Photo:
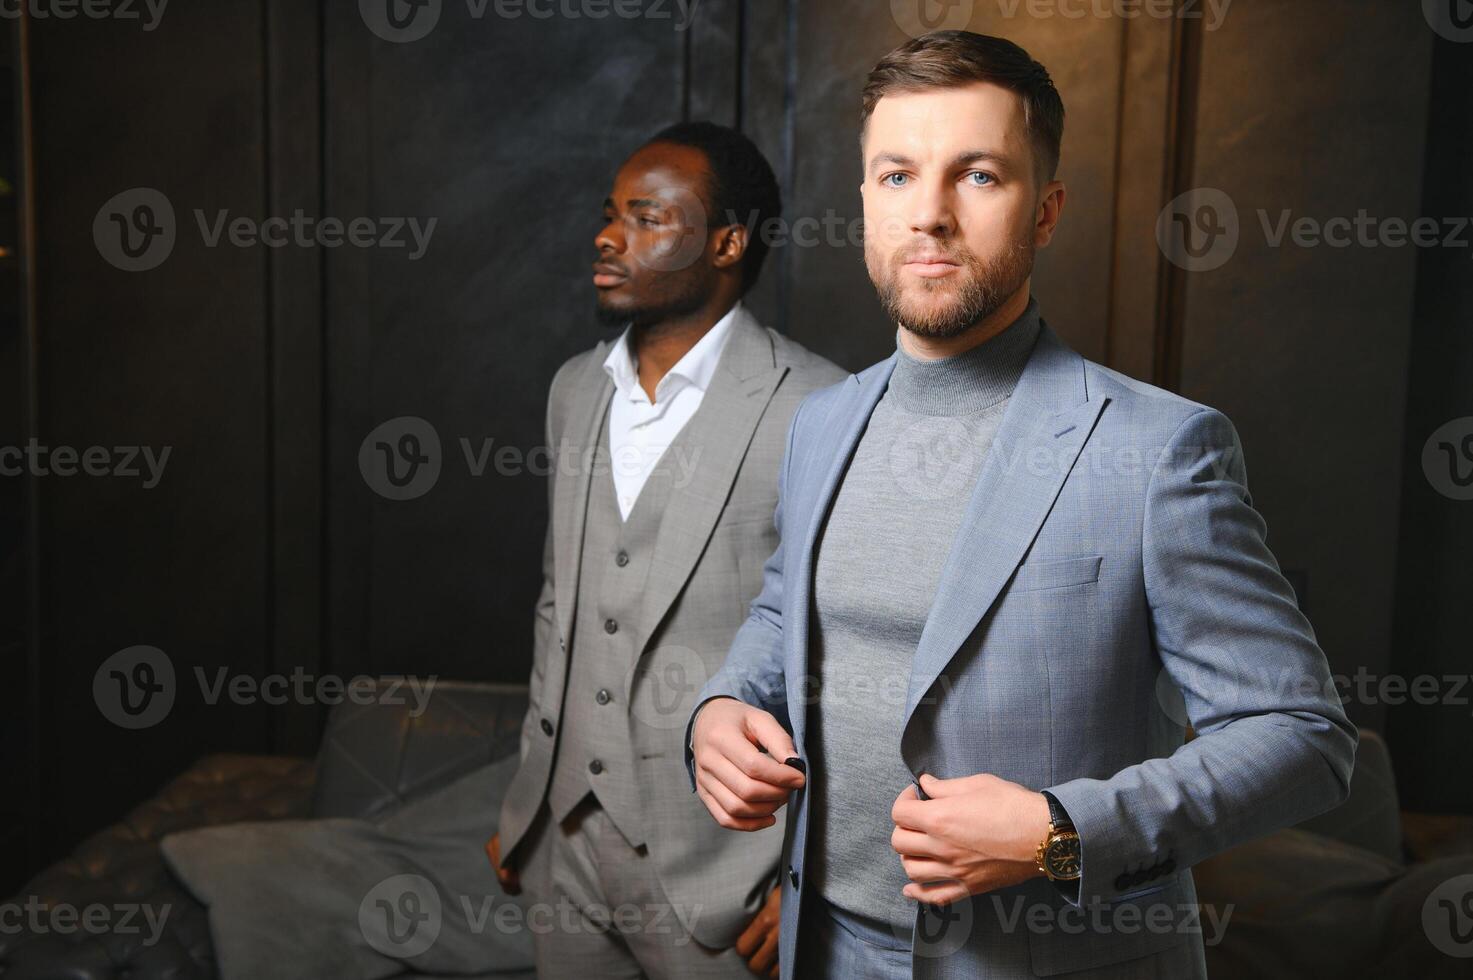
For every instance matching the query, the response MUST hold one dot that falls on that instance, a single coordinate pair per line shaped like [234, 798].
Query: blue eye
[885, 180]
[978, 173]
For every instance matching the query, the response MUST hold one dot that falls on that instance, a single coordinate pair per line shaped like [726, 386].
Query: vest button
[611, 626]
[621, 559]
[792, 876]
[546, 727]
[602, 697]
[595, 767]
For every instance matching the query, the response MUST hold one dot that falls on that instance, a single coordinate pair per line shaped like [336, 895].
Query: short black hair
[743, 188]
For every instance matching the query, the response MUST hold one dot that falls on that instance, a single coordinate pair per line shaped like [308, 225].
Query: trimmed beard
[986, 286]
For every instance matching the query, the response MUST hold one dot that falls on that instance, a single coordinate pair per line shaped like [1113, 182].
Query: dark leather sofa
[373, 758]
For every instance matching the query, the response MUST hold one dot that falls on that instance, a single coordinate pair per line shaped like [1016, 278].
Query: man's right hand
[741, 786]
[511, 882]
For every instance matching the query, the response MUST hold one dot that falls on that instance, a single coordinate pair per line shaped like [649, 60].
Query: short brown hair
[946, 59]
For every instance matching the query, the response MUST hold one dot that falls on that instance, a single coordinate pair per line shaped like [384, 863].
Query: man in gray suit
[667, 444]
[1008, 578]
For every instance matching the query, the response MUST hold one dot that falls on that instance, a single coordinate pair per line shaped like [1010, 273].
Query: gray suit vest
[595, 752]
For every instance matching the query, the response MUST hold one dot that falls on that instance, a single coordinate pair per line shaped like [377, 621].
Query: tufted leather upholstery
[121, 864]
[373, 758]
[376, 757]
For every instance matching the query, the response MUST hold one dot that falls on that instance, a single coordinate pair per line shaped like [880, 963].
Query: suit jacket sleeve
[1273, 744]
[544, 624]
[753, 672]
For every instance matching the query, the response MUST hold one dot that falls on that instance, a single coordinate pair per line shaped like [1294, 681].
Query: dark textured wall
[1305, 347]
[1434, 573]
[509, 133]
[175, 357]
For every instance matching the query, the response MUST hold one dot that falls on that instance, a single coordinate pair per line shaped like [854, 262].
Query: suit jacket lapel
[716, 440]
[570, 492]
[1048, 418]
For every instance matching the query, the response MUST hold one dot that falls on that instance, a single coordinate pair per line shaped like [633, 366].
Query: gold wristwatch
[1059, 854]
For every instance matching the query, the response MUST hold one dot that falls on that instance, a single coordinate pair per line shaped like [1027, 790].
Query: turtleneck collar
[970, 382]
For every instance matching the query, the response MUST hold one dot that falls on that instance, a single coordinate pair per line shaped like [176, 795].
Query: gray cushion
[1297, 905]
[335, 897]
[1426, 922]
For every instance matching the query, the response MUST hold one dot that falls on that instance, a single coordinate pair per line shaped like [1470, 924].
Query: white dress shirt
[641, 431]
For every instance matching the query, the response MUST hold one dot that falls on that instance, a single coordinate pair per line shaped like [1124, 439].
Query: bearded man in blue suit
[1007, 578]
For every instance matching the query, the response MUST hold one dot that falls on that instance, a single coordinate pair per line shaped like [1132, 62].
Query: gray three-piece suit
[633, 618]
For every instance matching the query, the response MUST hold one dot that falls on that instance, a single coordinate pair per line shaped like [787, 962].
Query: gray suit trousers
[597, 908]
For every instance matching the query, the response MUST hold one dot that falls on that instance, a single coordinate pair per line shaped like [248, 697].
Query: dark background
[263, 549]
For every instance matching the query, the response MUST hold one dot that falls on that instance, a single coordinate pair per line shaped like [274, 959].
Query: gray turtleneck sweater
[880, 556]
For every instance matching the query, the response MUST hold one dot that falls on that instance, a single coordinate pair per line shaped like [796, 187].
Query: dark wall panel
[1305, 348]
[171, 358]
[1435, 576]
[507, 132]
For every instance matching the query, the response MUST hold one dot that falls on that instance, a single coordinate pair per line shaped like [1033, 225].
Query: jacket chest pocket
[1057, 573]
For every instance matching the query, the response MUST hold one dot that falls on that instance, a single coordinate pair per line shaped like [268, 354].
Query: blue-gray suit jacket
[1110, 584]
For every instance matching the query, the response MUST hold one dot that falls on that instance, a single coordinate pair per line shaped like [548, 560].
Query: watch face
[1062, 857]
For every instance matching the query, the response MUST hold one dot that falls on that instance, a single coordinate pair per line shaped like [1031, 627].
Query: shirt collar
[696, 368]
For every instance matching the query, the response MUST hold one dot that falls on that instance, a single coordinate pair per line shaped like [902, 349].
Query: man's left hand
[975, 834]
[758, 943]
